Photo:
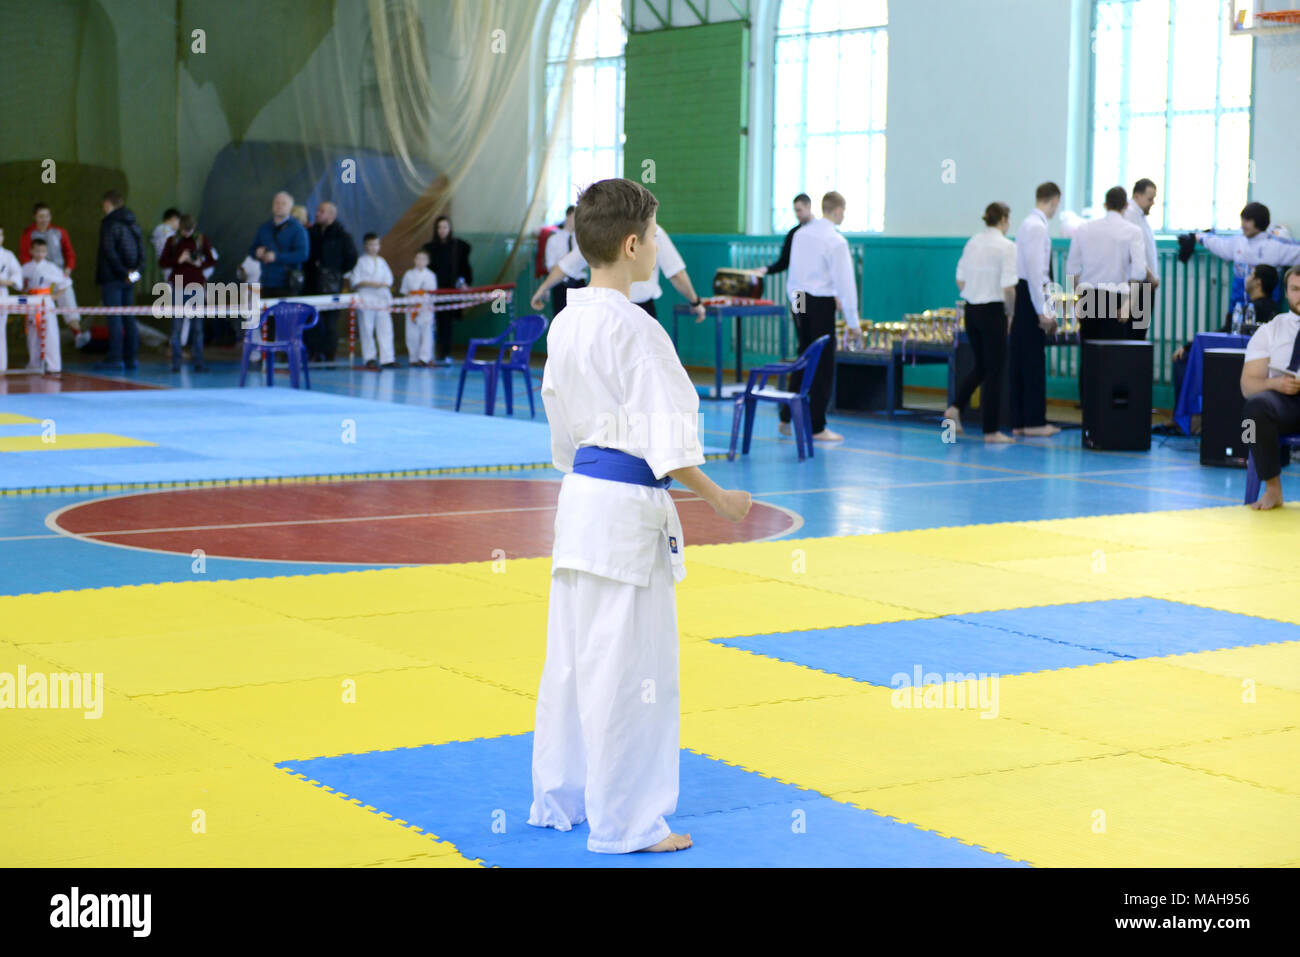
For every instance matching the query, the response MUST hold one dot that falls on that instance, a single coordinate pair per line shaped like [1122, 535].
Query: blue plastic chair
[291, 319]
[513, 350]
[1252, 477]
[756, 390]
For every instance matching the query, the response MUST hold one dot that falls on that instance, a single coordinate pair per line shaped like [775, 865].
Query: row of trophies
[939, 327]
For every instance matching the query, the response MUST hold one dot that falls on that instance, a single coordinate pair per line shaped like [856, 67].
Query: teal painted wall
[685, 109]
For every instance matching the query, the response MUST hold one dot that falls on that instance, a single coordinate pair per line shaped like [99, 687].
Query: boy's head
[186, 225]
[39, 251]
[1261, 282]
[1254, 219]
[371, 242]
[41, 216]
[1047, 198]
[568, 218]
[171, 216]
[615, 225]
[422, 260]
[1116, 199]
[112, 200]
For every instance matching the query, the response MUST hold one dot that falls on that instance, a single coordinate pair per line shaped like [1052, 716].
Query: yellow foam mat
[1277, 665]
[212, 655]
[1269, 760]
[858, 741]
[255, 815]
[209, 683]
[13, 418]
[1154, 814]
[1146, 703]
[392, 709]
[62, 441]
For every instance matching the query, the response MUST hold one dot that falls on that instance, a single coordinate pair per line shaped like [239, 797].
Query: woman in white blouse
[986, 278]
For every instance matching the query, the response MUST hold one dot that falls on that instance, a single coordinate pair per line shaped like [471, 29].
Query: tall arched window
[1171, 94]
[589, 131]
[832, 59]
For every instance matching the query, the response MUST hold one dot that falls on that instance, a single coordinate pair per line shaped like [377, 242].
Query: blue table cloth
[1189, 398]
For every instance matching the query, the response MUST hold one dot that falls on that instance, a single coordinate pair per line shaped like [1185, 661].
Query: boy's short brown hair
[832, 201]
[608, 212]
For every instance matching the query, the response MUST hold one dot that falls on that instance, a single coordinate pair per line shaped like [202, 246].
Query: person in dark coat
[449, 260]
[121, 256]
[333, 254]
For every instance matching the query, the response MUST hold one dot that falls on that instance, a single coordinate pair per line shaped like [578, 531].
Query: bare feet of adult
[673, 842]
[1272, 496]
[1037, 430]
[997, 438]
[953, 413]
[784, 428]
[826, 435]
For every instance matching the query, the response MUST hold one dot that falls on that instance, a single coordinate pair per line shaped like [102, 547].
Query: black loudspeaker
[1117, 394]
[1221, 407]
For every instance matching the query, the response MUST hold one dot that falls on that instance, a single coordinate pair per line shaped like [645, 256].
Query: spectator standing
[333, 254]
[187, 255]
[117, 269]
[449, 260]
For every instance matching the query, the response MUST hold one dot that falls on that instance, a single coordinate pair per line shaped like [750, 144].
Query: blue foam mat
[1016, 641]
[466, 792]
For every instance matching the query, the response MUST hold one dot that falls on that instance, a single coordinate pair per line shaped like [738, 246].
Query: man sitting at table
[1270, 381]
[1260, 286]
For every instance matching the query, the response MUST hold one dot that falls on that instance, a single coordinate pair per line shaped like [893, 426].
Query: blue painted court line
[1018, 641]
[476, 794]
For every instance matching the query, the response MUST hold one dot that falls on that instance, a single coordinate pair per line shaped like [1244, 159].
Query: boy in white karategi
[419, 326]
[623, 416]
[40, 273]
[11, 280]
[372, 281]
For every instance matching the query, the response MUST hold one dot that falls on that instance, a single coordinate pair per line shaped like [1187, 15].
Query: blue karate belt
[616, 466]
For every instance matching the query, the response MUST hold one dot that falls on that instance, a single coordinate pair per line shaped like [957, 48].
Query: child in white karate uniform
[40, 273]
[623, 416]
[372, 281]
[11, 280]
[419, 328]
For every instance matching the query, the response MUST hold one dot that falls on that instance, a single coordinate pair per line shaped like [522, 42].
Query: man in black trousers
[333, 254]
[1034, 317]
[821, 271]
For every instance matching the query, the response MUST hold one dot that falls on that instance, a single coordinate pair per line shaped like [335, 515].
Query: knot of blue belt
[616, 466]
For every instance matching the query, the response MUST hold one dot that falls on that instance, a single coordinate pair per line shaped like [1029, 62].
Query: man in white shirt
[643, 293]
[821, 272]
[1270, 381]
[372, 281]
[624, 424]
[1034, 317]
[986, 279]
[558, 245]
[1137, 212]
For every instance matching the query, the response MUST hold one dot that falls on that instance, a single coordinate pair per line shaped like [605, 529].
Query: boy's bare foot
[826, 435]
[784, 428]
[673, 842]
[953, 413]
[1017, 431]
[1271, 498]
[1041, 430]
[997, 438]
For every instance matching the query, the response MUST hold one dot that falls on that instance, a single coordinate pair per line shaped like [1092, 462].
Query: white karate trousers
[53, 355]
[606, 746]
[419, 336]
[376, 323]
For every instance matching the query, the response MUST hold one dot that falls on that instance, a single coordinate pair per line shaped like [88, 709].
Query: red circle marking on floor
[405, 521]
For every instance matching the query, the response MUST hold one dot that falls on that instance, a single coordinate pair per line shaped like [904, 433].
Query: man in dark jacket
[281, 246]
[802, 213]
[333, 254]
[121, 255]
